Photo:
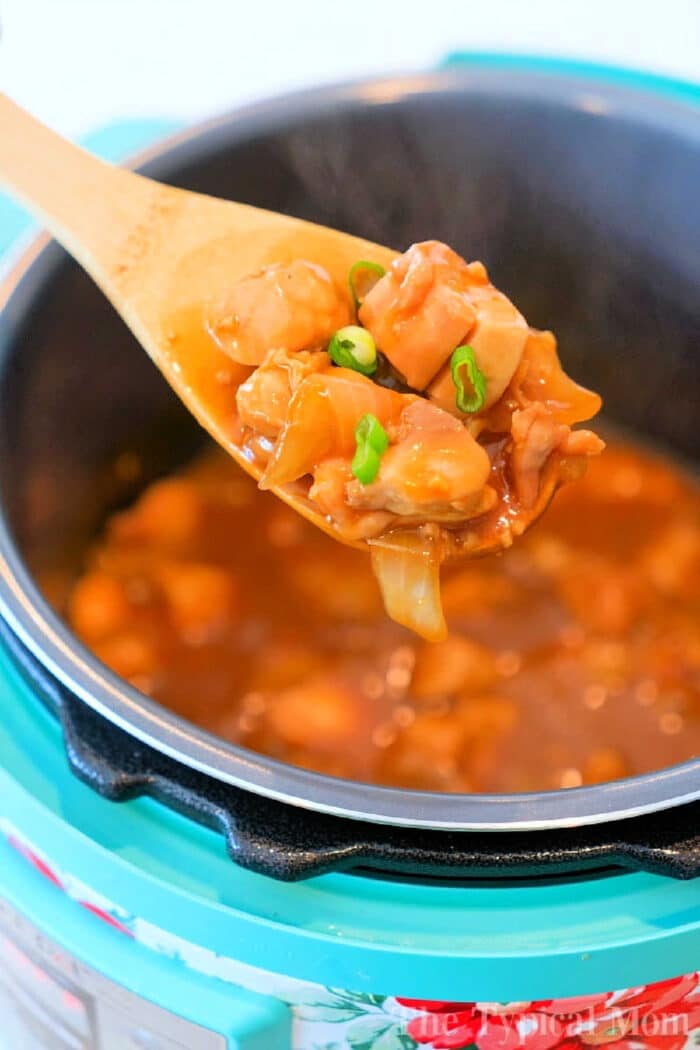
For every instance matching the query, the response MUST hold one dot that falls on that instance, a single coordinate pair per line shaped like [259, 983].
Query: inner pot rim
[50, 640]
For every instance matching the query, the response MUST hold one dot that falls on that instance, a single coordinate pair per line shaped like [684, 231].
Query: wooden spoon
[161, 255]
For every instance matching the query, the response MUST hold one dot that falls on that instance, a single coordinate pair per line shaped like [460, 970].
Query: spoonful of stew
[400, 402]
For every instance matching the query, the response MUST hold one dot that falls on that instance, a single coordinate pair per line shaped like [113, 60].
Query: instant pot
[161, 888]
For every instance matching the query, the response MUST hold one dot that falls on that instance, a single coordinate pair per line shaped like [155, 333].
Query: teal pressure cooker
[162, 888]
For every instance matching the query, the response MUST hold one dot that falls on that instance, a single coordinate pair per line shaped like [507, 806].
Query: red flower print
[653, 1017]
[35, 860]
[100, 913]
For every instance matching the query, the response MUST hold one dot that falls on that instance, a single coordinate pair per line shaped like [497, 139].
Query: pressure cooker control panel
[50, 1001]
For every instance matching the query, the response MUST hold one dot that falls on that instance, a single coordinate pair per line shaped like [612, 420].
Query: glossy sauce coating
[573, 658]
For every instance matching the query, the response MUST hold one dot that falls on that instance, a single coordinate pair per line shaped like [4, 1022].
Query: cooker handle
[290, 843]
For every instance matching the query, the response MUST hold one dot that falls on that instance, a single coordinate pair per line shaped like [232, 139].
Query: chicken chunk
[295, 307]
[435, 470]
[329, 493]
[430, 302]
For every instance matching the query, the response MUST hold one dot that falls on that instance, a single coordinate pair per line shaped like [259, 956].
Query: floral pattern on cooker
[664, 1015]
[658, 1016]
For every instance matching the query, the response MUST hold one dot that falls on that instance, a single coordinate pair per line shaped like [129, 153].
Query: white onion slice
[407, 566]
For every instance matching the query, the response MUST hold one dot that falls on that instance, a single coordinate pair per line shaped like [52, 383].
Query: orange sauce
[573, 658]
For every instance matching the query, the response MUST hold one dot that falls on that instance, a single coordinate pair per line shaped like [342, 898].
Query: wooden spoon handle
[87, 204]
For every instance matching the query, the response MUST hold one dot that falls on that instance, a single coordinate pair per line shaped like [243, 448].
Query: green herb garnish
[372, 443]
[362, 266]
[353, 347]
[469, 380]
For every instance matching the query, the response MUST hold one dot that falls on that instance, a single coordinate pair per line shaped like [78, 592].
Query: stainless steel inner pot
[581, 197]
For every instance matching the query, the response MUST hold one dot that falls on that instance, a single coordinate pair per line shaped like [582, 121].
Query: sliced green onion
[372, 443]
[353, 347]
[469, 380]
[362, 266]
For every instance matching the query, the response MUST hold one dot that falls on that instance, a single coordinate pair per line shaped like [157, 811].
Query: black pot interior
[588, 220]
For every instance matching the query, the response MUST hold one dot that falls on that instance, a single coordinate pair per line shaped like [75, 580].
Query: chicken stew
[572, 658]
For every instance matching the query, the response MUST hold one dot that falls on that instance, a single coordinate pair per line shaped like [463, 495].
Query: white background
[80, 63]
